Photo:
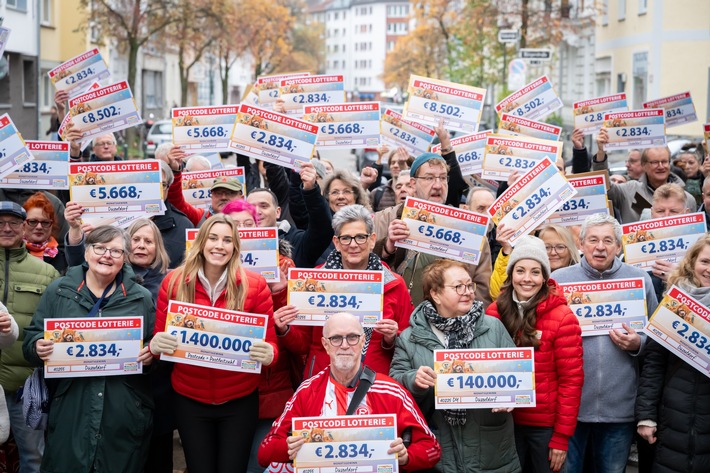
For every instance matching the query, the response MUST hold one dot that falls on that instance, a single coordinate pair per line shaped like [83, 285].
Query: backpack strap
[367, 377]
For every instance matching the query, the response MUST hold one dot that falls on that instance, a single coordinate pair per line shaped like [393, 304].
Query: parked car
[161, 132]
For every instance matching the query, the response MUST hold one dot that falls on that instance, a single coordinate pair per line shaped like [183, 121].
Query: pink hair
[240, 205]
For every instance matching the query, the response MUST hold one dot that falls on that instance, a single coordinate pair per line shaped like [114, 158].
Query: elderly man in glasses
[23, 280]
[330, 392]
[103, 146]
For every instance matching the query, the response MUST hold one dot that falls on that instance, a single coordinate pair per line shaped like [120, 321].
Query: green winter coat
[23, 280]
[486, 443]
[103, 423]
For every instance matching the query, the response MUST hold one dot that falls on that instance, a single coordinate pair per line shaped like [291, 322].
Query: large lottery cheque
[104, 110]
[667, 238]
[13, 151]
[273, 137]
[258, 250]
[214, 338]
[48, 170]
[346, 125]
[591, 199]
[445, 231]
[196, 185]
[589, 114]
[198, 129]
[682, 325]
[266, 90]
[108, 188]
[320, 293]
[518, 126]
[94, 346]
[469, 151]
[636, 129]
[531, 199]
[505, 154]
[679, 108]
[78, 73]
[396, 131]
[430, 100]
[601, 306]
[346, 443]
[298, 92]
[484, 378]
[533, 101]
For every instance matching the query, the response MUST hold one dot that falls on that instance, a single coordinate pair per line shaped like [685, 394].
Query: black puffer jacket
[677, 397]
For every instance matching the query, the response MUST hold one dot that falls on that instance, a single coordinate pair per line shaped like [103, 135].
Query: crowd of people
[596, 395]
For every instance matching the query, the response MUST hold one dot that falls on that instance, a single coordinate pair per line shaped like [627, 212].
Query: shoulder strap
[366, 379]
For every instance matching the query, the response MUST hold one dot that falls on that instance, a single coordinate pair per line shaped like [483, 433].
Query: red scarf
[40, 250]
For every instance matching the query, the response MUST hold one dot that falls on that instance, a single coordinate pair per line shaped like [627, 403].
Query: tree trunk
[524, 16]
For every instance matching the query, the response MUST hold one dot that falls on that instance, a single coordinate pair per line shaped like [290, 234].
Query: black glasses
[14, 224]
[360, 239]
[462, 288]
[101, 250]
[337, 340]
[33, 222]
[431, 179]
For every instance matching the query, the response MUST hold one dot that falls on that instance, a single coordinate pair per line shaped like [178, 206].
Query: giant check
[601, 306]
[430, 100]
[93, 346]
[591, 199]
[534, 101]
[198, 129]
[78, 73]
[505, 154]
[196, 185]
[320, 293]
[589, 114]
[266, 91]
[396, 131]
[214, 338]
[679, 109]
[636, 129]
[445, 231]
[273, 137]
[13, 151]
[484, 378]
[667, 238]
[298, 92]
[469, 151]
[518, 126]
[105, 189]
[346, 125]
[346, 443]
[48, 170]
[105, 110]
[682, 325]
[531, 199]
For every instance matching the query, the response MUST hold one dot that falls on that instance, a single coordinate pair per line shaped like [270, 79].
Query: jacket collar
[15, 254]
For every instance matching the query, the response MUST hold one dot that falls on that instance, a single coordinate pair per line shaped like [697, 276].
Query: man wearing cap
[431, 175]
[23, 280]
[224, 190]
[605, 423]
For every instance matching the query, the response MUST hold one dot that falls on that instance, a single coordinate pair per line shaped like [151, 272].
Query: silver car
[161, 132]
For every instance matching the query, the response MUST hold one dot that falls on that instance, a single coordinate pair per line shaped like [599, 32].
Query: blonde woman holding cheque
[217, 411]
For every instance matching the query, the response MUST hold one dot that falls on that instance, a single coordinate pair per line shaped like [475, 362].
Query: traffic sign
[508, 36]
[516, 74]
[539, 54]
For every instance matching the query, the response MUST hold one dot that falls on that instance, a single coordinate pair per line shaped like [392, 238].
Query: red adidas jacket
[559, 373]
[213, 386]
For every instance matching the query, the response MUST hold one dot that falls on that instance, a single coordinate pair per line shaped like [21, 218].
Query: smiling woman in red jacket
[216, 410]
[537, 315]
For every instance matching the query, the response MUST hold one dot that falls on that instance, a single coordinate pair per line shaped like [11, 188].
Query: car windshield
[162, 129]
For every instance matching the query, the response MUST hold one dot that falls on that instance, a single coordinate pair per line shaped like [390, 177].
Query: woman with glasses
[354, 240]
[38, 230]
[98, 423]
[341, 189]
[559, 244]
[536, 314]
[216, 410]
[472, 440]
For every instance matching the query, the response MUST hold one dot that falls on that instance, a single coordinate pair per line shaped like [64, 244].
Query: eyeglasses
[431, 179]
[359, 239]
[14, 224]
[100, 250]
[245, 224]
[559, 249]
[605, 241]
[44, 223]
[344, 192]
[462, 288]
[657, 164]
[105, 143]
[337, 340]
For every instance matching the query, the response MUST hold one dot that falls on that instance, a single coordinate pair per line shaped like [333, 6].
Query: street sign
[508, 36]
[539, 54]
[534, 62]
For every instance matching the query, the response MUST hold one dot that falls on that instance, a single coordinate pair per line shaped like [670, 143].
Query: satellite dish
[4, 67]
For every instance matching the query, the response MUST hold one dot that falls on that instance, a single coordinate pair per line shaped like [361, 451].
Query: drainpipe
[38, 70]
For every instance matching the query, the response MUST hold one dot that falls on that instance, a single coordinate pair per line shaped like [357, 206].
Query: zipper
[7, 275]
[310, 370]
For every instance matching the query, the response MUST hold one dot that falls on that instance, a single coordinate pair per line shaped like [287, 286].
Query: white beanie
[530, 247]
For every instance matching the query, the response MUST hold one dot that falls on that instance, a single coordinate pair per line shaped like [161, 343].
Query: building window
[46, 89]
[336, 15]
[335, 48]
[390, 45]
[17, 4]
[5, 82]
[643, 7]
[343, 47]
[640, 81]
[153, 89]
[29, 83]
[46, 12]
[622, 10]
